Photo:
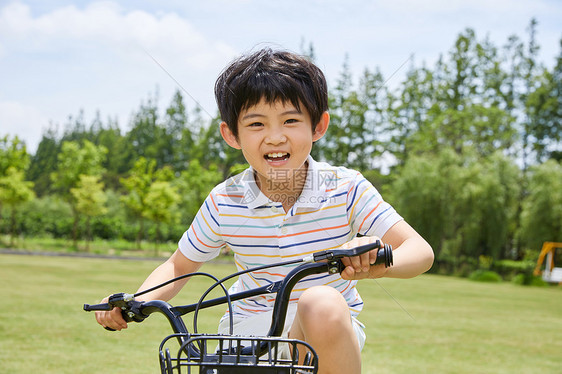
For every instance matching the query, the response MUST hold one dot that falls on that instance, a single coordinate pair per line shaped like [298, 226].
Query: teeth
[277, 155]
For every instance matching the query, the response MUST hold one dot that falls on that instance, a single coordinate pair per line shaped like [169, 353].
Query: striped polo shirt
[335, 204]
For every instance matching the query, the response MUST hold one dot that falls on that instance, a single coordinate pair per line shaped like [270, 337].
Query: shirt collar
[316, 188]
[313, 195]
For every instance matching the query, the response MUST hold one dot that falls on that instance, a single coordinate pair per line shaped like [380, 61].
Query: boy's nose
[275, 137]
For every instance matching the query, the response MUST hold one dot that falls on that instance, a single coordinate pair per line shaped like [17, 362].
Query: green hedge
[485, 276]
[508, 269]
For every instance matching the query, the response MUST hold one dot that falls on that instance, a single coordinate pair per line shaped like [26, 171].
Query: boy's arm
[175, 266]
[412, 255]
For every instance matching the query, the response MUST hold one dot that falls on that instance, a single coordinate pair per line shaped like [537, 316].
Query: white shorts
[259, 324]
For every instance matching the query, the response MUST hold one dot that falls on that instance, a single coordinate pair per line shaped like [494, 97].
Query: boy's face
[275, 139]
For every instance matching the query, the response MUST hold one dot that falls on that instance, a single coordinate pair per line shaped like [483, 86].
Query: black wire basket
[226, 354]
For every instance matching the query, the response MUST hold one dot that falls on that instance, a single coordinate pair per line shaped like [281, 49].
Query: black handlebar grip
[384, 255]
[126, 318]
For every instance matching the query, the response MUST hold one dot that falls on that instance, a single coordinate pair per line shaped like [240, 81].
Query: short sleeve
[202, 241]
[367, 212]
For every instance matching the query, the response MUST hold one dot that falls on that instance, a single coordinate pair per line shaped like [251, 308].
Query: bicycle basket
[223, 354]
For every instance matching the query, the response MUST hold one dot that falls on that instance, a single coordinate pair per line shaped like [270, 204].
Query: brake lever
[130, 308]
[384, 255]
[351, 252]
[356, 251]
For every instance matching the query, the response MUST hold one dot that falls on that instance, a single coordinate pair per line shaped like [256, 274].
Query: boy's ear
[321, 127]
[228, 136]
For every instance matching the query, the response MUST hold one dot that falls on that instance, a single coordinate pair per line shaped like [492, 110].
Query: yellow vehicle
[551, 273]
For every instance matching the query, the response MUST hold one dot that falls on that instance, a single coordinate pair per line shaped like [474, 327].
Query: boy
[274, 106]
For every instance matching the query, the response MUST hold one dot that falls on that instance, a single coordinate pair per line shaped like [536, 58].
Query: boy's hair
[271, 75]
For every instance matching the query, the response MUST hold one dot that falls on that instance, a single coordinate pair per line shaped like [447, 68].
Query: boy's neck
[285, 187]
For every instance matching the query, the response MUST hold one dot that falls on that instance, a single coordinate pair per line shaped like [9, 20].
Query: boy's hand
[112, 319]
[359, 267]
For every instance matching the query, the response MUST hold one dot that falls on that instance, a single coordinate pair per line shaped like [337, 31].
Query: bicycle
[237, 354]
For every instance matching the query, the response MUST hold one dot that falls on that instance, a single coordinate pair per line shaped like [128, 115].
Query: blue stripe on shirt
[233, 205]
[354, 194]
[315, 241]
[211, 214]
[376, 218]
[194, 246]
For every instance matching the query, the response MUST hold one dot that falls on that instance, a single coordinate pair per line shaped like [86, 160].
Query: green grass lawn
[442, 325]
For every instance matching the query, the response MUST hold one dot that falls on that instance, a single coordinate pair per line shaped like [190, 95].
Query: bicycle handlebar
[319, 262]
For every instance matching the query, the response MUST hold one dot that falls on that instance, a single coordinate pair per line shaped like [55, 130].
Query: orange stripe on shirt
[345, 289]
[321, 209]
[214, 204]
[200, 241]
[371, 212]
[268, 273]
[227, 195]
[250, 310]
[315, 230]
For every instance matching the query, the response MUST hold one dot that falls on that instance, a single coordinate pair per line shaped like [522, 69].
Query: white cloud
[22, 120]
[105, 22]
[94, 57]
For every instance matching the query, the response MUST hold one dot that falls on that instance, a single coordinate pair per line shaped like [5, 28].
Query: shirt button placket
[280, 229]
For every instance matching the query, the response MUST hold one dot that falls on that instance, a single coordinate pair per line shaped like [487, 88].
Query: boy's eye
[292, 120]
[255, 124]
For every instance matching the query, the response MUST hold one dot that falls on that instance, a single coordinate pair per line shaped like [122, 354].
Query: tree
[370, 119]
[138, 185]
[162, 199]
[14, 160]
[75, 160]
[469, 117]
[212, 149]
[541, 216]
[90, 201]
[44, 162]
[75, 129]
[423, 192]
[119, 151]
[194, 185]
[357, 118]
[464, 206]
[146, 135]
[12, 154]
[488, 204]
[530, 72]
[335, 147]
[544, 106]
[409, 113]
[14, 191]
[178, 135]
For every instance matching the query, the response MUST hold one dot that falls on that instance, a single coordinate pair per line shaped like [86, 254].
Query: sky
[60, 57]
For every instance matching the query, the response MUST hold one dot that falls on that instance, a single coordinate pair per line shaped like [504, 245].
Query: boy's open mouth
[278, 156]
